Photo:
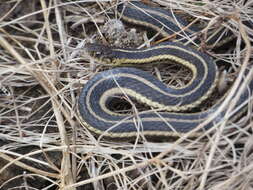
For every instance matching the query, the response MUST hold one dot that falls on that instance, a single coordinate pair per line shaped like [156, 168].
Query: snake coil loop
[98, 92]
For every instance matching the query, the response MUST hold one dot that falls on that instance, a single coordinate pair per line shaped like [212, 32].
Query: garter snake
[98, 92]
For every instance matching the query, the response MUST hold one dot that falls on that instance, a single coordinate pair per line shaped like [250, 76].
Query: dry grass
[43, 68]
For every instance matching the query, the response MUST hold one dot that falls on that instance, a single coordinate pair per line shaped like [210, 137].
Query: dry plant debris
[43, 68]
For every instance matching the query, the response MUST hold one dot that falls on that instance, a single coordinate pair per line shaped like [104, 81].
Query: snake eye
[95, 53]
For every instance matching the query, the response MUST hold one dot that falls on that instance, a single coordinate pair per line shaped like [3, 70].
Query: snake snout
[97, 50]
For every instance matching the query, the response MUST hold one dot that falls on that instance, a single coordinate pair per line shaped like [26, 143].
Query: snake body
[95, 97]
[167, 22]
[163, 21]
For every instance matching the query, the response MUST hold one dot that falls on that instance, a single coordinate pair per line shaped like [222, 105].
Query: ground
[44, 66]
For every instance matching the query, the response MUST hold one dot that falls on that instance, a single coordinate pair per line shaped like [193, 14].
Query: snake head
[100, 52]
